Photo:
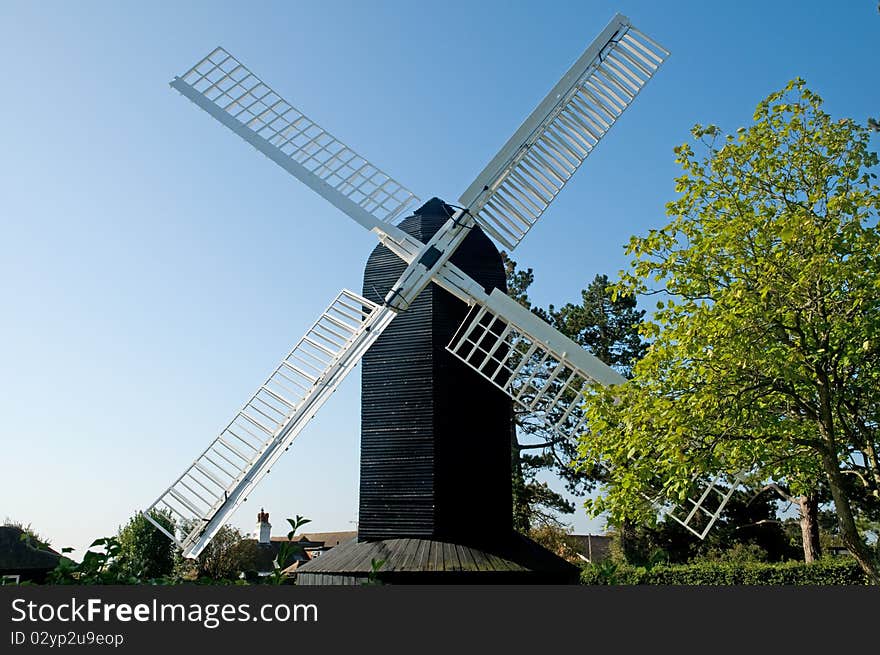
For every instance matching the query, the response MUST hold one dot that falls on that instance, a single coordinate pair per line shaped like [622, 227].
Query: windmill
[540, 369]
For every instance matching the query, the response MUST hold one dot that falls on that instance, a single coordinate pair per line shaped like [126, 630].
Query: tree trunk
[849, 534]
[628, 542]
[521, 522]
[873, 464]
[809, 509]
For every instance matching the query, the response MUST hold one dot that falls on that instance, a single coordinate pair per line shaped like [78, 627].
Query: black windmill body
[445, 351]
[435, 435]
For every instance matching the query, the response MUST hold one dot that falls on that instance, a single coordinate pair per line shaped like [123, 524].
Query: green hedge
[843, 571]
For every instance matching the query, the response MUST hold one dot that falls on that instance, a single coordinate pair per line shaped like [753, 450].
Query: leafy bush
[843, 571]
[97, 566]
[144, 552]
[140, 554]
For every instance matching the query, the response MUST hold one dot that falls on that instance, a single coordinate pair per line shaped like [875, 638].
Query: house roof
[264, 559]
[16, 554]
[320, 539]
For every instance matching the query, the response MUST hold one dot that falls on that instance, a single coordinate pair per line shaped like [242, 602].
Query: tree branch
[775, 487]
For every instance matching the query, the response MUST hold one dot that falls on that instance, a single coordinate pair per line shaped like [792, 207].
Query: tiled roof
[325, 539]
[266, 554]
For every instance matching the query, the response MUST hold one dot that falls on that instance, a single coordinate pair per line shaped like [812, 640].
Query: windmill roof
[517, 554]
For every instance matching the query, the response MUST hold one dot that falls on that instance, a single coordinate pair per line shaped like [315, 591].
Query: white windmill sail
[704, 504]
[231, 93]
[219, 479]
[515, 188]
[546, 374]
[544, 371]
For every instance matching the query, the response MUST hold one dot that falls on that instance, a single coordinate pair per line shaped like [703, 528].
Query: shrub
[843, 571]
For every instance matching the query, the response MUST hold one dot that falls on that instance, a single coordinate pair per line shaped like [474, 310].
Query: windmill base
[518, 560]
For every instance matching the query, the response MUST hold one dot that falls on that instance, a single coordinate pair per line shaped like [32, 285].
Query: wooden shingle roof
[420, 555]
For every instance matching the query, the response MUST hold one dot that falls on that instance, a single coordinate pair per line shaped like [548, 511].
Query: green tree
[144, 552]
[227, 555]
[534, 502]
[556, 539]
[765, 346]
[747, 528]
[608, 328]
[808, 518]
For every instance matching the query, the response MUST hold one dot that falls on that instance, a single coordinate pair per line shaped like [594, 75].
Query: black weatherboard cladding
[435, 436]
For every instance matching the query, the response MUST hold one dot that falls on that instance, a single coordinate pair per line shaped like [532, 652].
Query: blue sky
[153, 268]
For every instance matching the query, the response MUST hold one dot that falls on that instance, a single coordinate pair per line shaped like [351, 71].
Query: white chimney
[264, 528]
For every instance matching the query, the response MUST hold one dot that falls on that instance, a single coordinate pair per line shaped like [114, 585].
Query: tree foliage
[227, 555]
[765, 345]
[746, 530]
[608, 328]
[557, 540]
[144, 552]
[97, 566]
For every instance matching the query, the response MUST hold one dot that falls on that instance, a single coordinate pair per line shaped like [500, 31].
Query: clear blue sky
[154, 268]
